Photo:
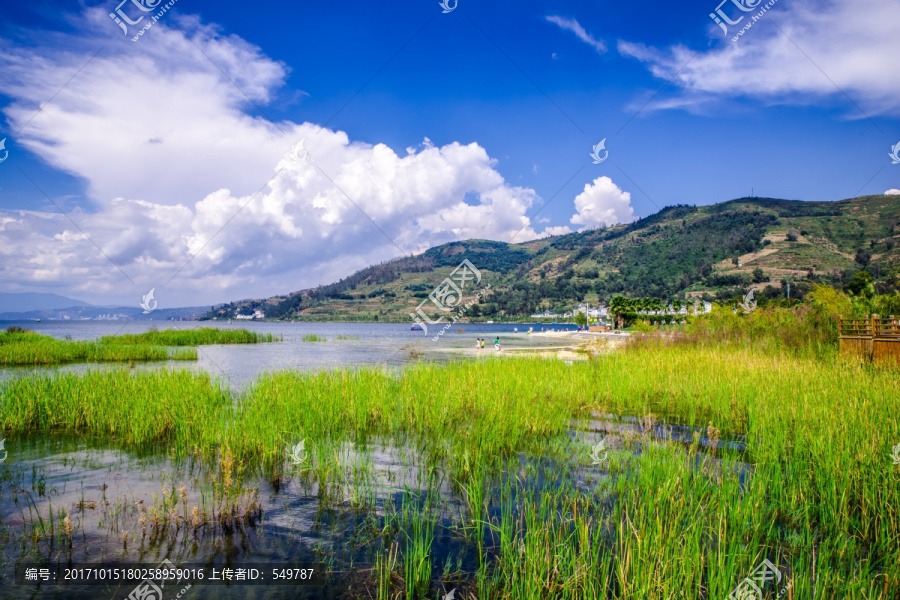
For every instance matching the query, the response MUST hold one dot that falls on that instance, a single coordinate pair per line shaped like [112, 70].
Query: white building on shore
[257, 314]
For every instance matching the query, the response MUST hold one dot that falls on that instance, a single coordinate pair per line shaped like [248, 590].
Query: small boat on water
[416, 327]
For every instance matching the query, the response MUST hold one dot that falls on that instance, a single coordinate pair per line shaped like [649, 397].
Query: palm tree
[618, 307]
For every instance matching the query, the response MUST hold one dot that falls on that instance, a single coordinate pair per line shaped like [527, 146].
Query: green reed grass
[29, 348]
[22, 347]
[200, 336]
[311, 337]
[180, 408]
[814, 491]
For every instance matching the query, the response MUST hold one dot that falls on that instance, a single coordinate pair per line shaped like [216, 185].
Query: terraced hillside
[681, 252]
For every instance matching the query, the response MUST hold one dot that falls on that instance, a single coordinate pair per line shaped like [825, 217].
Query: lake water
[112, 494]
[378, 344]
[329, 518]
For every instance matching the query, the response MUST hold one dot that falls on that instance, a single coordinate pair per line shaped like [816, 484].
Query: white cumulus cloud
[185, 175]
[602, 203]
[823, 49]
[892, 192]
[559, 230]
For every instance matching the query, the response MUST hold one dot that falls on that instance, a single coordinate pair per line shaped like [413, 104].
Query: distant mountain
[682, 252]
[31, 306]
[120, 313]
[21, 302]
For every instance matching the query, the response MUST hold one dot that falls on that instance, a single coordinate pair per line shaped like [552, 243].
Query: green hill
[684, 252]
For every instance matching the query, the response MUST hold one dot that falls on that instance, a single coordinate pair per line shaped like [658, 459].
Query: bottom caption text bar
[167, 573]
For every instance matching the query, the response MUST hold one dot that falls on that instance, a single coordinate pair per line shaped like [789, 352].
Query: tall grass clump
[819, 500]
[289, 406]
[417, 523]
[311, 337]
[201, 336]
[19, 347]
[810, 329]
[182, 409]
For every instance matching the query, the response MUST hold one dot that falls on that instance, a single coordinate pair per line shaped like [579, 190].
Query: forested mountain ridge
[712, 252]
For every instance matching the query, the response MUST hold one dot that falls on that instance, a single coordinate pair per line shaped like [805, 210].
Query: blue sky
[170, 155]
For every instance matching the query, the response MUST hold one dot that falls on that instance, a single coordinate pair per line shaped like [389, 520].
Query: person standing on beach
[482, 343]
[497, 343]
[478, 343]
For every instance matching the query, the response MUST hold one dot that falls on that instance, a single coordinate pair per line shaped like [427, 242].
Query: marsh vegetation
[725, 448]
[20, 347]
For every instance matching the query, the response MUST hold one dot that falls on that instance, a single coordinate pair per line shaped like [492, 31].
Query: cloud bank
[787, 58]
[183, 179]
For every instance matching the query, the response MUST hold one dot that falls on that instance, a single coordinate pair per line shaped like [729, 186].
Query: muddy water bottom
[617, 432]
[114, 501]
[670, 429]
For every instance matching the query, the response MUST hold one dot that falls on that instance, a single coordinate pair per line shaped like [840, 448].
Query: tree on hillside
[888, 304]
[861, 285]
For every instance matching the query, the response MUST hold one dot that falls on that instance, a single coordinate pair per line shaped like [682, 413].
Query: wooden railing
[877, 338]
[887, 328]
[872, 327]
[856, 328]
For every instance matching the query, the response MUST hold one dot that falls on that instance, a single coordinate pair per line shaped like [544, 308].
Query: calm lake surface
[381, 344]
